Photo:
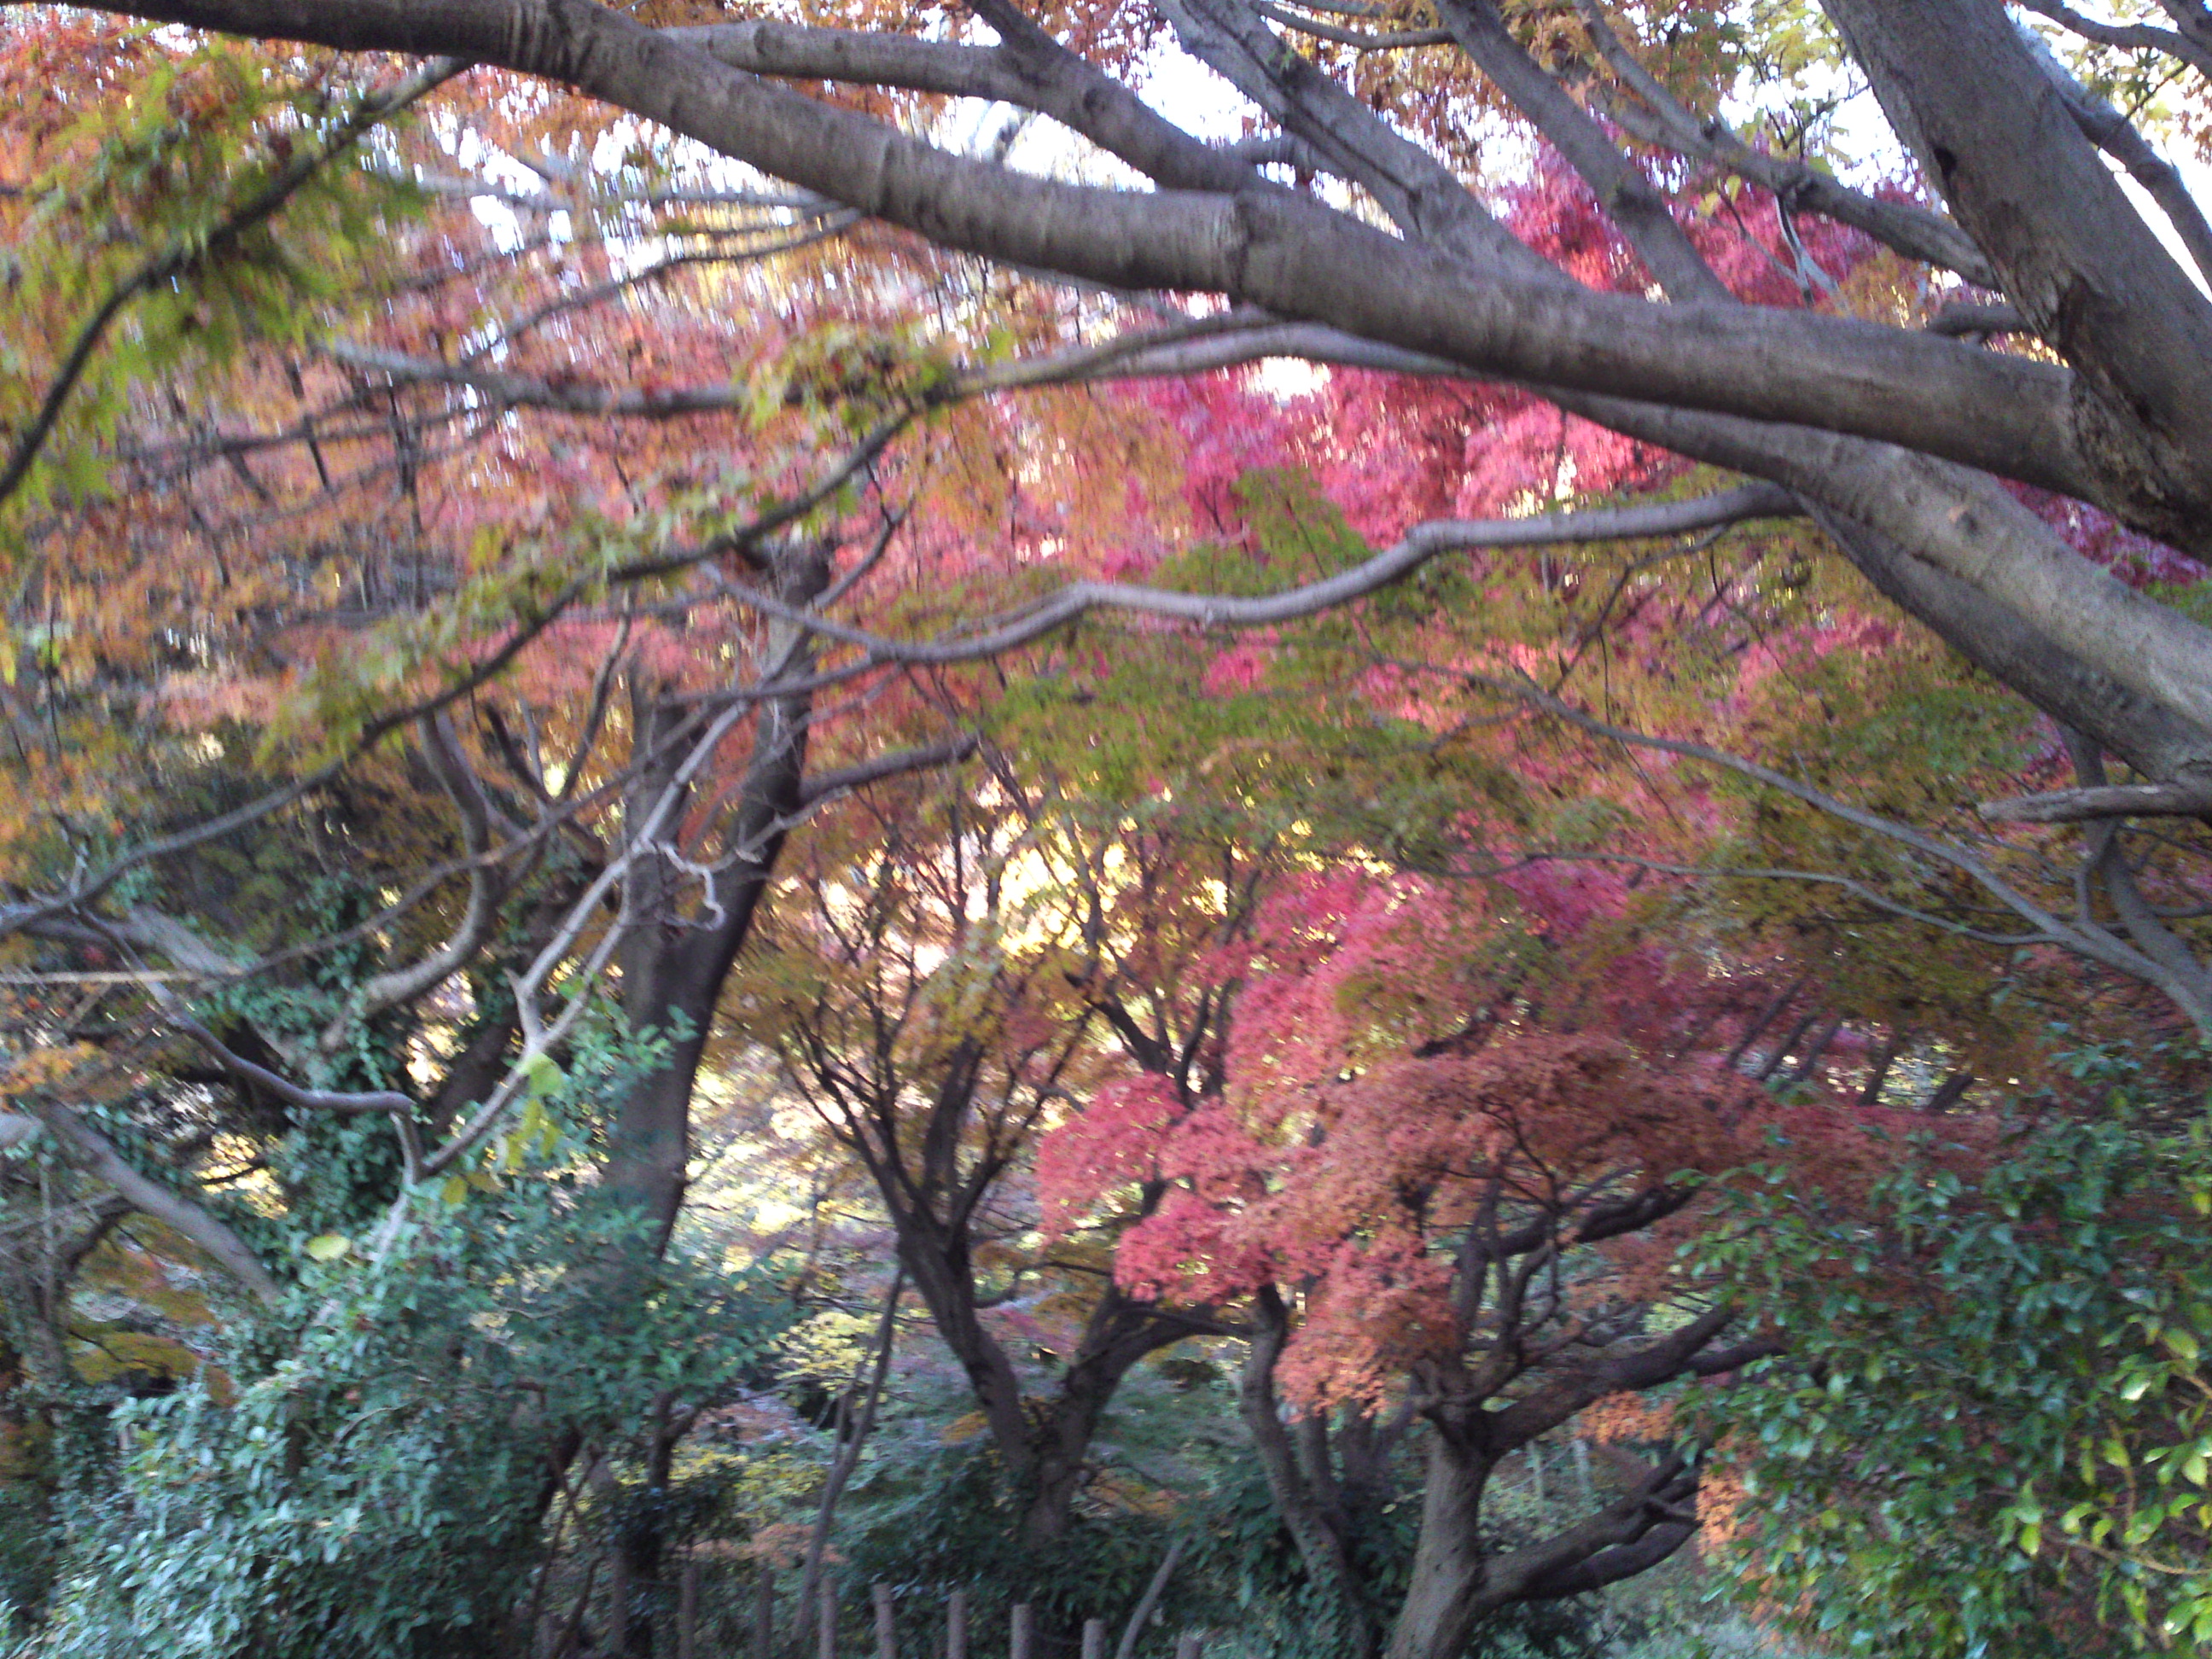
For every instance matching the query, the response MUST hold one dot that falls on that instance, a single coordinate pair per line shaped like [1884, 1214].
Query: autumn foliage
[649, 826]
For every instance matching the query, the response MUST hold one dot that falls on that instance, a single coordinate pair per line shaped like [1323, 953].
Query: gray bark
[2027, 184]
[1301, 1486]
[2124, 423]
[674, 964]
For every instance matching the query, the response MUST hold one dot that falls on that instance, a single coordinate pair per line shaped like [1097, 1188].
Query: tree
[1887, 430]
[1441, 1184]
[1880, 415]
[952, 990]
[1989, 1418]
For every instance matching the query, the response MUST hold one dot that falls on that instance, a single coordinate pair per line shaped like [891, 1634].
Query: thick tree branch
[1554, 1403]
[2088, 805]
[2011, 158]
[1611, 1565]
[1620, 186]
[1295, 257]
[488, 890]
[149, 1197]
[2128, 36]
[1911, 231]
[1029, 70]
[899, 762]
[1321, 1546]
[342, 1101]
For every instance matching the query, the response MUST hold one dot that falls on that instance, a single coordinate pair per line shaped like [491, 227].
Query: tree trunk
[1119, 1333]
[1296, 1485]
[847, 1455]
[674, 966]
[1047, 1455]
[1444, 1597]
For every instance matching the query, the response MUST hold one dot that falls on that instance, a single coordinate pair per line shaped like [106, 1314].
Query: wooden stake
[617, 1601]
[886, 1630]
[764, 1613]
[955, 1625]
[1094, 1638]
[825, 1624]
[1025, 1634]
[687, 1610]
[1190, 1644]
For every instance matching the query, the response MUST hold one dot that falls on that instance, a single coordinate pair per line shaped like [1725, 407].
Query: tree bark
[1302, 1499]
[1444, 1595]
[2020, 176]
[674, 964]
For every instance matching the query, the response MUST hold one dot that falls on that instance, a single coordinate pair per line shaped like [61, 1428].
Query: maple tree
[1439, 1183]
[458, 554]
[1914, 421]
[961, 975]
[1320, 1200]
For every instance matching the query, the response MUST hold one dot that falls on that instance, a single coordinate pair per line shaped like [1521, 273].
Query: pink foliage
[1399, 1048]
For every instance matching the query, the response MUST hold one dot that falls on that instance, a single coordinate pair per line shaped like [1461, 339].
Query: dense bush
[377, 1488]
[1990, 1431]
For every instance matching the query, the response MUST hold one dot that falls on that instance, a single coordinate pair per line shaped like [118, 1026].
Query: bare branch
[1420, 544]
[344, 1102]
[2123, 801]
[2081, 935]
[487, 890]
[2114, 133]
[1387, 40]
[1150, 1600]
[521, 391]
[2128, 36]
[825, 786]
